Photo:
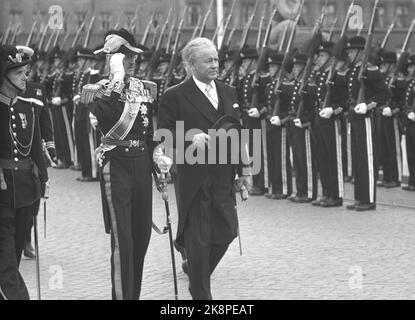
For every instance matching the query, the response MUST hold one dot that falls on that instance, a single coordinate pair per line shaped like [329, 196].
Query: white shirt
[213, 98]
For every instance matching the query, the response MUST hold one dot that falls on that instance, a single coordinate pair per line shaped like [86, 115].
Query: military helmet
[274, 57]
[388, 57]
[356, 42]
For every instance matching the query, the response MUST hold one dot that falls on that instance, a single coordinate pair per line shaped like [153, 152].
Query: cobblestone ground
[289, 251]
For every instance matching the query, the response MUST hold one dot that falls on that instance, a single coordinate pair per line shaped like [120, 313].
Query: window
[380, 17]
[402, 15]
[105, 20]
[79, 18]
[194, 14]
[246, 11]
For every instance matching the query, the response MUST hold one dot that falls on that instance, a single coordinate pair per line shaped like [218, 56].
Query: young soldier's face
[322, 59]
[352, 54]
[411, 69]
[205, 65]
[273, 69]
[162, 68]
[386, 67]
[129, 65]
[297, 69]
[18, 77]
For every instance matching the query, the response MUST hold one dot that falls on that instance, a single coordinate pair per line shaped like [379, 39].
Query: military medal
[23, 119]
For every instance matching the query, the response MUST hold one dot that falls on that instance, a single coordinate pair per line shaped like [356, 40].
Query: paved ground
[289, 251]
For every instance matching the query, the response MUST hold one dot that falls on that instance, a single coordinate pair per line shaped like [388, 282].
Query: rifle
[147, 31]
[332, 30]
[7, 33]
[284, 64]
[132, 26]
[199, 21]
[284, 35]
[157, 52]
[170, 36]
[225, 27]
[175, 52]
[88, 33]
[361, 96]
[49, 41]
[30, 36]
[65, 38]
[236, 64]
[78, 33]
[387, 35]
[228, 42]
[16, 30]
[117, 24]
[332, 70]
[57, 37]
[310, 51]
[208, 12]
[261, 25]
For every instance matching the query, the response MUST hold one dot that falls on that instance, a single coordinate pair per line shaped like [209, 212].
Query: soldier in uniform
[226, 65]
[122, 107]
[280, 170]
[390, 154]
[327, 130]
[300, 133]
[362, 141]
[23, 175]
[409, 121]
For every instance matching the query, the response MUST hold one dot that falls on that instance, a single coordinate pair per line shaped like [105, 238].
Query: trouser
[210, 227]
[63, 134]
[410, 151]
[346, 145]
[377, 137]
[128, 188]
[390, 149]
[28, 237]
[250, 123]
[363, 159]
[329, 156]
[13, 227]
[304, 163]
[86, 141]
[280, 171]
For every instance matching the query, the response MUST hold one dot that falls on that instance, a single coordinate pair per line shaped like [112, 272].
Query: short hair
[190, 50]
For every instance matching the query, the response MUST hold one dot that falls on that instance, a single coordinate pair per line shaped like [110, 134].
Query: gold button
[13, 117]
[15, 151]
[14, 126]
[12, 109]
[16, 159]
[16, 168]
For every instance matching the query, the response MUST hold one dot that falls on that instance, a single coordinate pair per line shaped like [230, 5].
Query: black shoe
[255, 191]
[279, 196]
[381, 184]
[408, 188]
[62, 165]
[318, 201]
[330, 202]
[291, 197]
[304, 199]
[29, 251]
[75, 167]
[392, 184]
[365, 207]
[86, 179]
[353, 206]
[269, 195]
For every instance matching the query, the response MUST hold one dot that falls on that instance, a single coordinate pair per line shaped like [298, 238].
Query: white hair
[195, 45]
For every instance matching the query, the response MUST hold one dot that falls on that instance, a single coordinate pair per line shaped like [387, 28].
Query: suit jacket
[185, 102]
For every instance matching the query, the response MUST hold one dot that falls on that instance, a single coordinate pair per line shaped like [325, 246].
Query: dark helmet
[249, 53]
[300, 58]
[55, 53]
[274, 57]
[411, 60]
[388, 57]
[356, 42]
[326, 46]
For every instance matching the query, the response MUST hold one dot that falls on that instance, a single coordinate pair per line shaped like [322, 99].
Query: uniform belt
[123, 143]
[11, 164]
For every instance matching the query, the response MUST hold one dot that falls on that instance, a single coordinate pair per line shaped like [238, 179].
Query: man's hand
[164, 163]
[297, 123]
[76, 98]
[57, 101]
[117, 66]
[200, 140]
[242, 185]
[361, 108]
[254, 113]
[275, 121]
[387, 112]
[93, 120]
[411, 116]
[371, 106]
[326, 113]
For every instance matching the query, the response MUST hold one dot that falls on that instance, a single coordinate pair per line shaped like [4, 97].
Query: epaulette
[341, 73]
[372, 68]
[32, 100]
[151, 88]
[93, 72]
[90, 91]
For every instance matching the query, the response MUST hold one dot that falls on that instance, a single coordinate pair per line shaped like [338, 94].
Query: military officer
[23, 175]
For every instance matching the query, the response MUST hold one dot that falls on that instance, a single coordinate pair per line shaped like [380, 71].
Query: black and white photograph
[228, 150]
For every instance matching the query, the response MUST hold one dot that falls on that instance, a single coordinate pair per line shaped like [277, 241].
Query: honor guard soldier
[300, 133]
[327, 129]
[85, 135]
[227, 65]
[23, 175]
[143, 62]
[159, 78]
[390, 154]
[409, 121]
[362, 133]
[122, 107]
[280, 171]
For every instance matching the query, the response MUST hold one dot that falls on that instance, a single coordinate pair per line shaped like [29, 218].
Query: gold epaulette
[151, 88]
[90, 91]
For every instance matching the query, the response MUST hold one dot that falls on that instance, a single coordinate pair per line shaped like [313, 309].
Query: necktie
[211, 97]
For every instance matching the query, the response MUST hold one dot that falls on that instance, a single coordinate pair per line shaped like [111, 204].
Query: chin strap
[16, 87]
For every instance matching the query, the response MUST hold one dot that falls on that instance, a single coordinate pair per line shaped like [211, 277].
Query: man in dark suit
[207, 214]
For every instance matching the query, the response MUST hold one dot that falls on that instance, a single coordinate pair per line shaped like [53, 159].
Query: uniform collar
[8, 101]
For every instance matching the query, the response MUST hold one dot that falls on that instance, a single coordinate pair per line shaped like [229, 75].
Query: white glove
[411, 116]
[326, 113]
[297, 123]
[93, 120]
[56, 101]
[361, 108]
[117, 67]
[76, 98]
[200, 140]
[275, 120]
[164, 163]
[253, 113]
[387, 112]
